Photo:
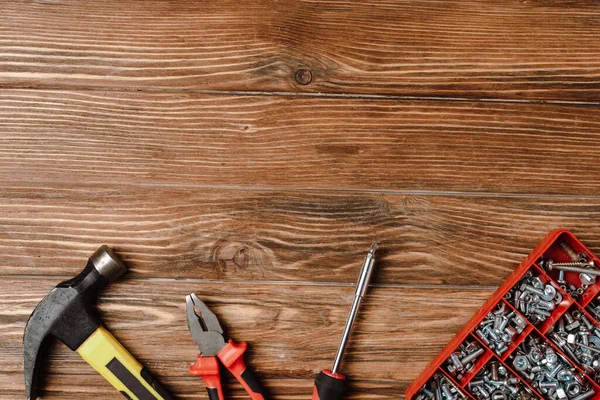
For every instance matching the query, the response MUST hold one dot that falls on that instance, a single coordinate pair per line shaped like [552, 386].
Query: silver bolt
[561, 277]
[584, 396]
[473, 356]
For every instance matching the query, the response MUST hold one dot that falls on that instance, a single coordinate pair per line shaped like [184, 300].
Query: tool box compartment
[537, 336]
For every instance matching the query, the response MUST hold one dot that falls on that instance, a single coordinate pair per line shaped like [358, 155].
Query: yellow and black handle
[111, 360]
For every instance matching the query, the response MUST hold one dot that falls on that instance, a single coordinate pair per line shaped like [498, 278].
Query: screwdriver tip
[373, 247]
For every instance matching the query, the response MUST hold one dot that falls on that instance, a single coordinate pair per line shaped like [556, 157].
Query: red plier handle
[208, 369]
[232, 357]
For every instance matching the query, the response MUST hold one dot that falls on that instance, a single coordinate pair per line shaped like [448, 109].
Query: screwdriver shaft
[361, 288]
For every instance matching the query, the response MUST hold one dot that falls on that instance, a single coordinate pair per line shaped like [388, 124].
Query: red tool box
[549, 344]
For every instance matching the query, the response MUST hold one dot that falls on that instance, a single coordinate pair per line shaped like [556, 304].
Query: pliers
[208, 335]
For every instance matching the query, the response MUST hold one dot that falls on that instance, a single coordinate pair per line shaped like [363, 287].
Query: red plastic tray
[549, 248]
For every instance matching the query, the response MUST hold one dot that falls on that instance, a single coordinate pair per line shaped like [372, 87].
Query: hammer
[65, 313]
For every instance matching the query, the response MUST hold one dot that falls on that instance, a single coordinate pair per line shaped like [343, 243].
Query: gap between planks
[16, 183]
[324, 95]
[60, 278]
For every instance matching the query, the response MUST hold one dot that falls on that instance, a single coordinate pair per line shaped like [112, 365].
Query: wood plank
[474, 48]
[292, 331]
[272, 236]
[81, 386]
[283, 142]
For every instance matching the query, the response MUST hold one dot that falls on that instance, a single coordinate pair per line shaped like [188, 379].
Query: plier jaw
[204, 326]
[208, 335]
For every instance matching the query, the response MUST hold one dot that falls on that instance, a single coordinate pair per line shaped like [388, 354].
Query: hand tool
[65, 313]
[208, 335]
[330, 384]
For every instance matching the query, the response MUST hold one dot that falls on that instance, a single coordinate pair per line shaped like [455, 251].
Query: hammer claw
[66, 314]
[32, 342]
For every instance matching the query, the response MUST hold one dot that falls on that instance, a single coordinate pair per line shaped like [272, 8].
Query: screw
[569, 250]
[586, 264]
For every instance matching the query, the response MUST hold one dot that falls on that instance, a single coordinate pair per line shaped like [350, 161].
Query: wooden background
[456, 133]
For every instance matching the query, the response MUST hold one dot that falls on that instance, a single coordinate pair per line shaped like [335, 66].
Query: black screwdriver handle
[329, 386]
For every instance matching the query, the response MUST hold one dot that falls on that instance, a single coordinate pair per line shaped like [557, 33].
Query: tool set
[538, 336]
[65, 313]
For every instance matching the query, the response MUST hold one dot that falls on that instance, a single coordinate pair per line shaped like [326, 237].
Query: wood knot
[304, 76]
[237, 258]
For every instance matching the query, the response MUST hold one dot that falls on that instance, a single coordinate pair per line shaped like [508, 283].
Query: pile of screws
[439, 388]
[463, 360]
[594, 307]
[499, 328]
[579, 264]
[494, 382]
[533, 298]
[549, 373]
[580, 340]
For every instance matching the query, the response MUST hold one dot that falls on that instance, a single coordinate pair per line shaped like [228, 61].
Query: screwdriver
[330, 384]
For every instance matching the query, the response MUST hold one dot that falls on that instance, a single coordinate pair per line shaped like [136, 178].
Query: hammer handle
[111, 360]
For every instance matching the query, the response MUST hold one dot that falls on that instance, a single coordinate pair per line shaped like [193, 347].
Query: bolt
[499, 395]
[592, 349]
[584, 396]
[447, 393]
[572, 326]
[585, 336]
[454, 358]
[521, 363]
[561, 277]
[473, 356]
[461, 361]
[586, 322]
[531, 289]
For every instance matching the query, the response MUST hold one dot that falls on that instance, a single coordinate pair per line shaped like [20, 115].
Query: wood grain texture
[79, 386]
[456, 133]
[476, 49]
[297, 143]
[270, 236]
[292, 332]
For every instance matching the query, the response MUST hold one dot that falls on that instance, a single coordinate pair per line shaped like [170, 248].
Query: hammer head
[65, 312]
